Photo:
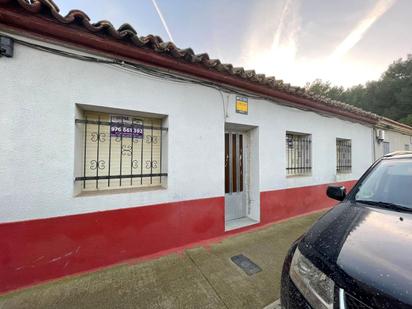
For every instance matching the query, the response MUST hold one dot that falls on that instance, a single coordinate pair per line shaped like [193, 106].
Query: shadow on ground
[198, 278]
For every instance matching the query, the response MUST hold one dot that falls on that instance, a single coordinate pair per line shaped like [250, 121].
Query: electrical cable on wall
[152, 72]
[159, 73]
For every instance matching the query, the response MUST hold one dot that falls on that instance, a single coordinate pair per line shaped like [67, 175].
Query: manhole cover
[246, 264]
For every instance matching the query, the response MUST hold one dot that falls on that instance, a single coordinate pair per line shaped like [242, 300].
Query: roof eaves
[388, 123]
[126, 34]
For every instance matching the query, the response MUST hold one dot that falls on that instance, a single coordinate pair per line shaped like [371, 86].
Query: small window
[407, 147]
[343, 155]
[119, 151]
[386, 148]
[298, 153]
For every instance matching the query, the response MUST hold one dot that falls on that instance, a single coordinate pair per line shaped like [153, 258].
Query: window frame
[343, 168]
[298, 154]
[384, 145]
[120, 178]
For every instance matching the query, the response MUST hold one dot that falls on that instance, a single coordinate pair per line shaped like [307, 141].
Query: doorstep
[239, 223]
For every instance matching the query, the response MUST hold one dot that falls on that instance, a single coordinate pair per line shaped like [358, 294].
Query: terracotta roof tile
[128, 34]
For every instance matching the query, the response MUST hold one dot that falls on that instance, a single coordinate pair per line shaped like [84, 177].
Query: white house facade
[391, 136]
[111, 156]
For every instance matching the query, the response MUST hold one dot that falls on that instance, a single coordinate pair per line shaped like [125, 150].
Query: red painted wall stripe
[40, 250]
[286, 203]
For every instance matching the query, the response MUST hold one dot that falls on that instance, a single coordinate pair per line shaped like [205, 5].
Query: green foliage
[407, 120]
[390, 96]
[326, 89]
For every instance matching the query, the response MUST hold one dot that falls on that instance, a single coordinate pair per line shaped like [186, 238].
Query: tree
[390, 96]
[326, 89]
[407, 120]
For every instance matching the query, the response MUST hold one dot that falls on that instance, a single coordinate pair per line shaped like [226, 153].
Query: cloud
[380, 8]
[279, 56]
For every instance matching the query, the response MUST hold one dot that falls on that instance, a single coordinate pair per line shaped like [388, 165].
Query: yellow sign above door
[242, 105]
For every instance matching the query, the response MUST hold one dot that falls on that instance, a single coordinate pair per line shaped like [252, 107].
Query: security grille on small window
[299, 154]
[343, 155]
[120, 151]
[386, 148]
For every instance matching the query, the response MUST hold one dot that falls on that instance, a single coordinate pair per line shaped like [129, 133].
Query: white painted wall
[274, 120]
[397, 142]
[37, 157]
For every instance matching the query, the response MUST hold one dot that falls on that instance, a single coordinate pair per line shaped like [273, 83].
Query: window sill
[299, 175]
[119, 191]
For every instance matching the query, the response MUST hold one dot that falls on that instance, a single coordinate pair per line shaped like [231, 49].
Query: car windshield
[388, 184]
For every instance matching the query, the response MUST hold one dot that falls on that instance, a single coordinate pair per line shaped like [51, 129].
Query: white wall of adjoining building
[397, 142]
[274, 120]
[38, 109]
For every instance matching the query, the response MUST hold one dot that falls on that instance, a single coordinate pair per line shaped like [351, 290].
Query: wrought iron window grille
[298, 154]
[343, 155]
[129, 153]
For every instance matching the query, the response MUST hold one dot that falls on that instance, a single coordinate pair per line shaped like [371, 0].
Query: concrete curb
[274, 305]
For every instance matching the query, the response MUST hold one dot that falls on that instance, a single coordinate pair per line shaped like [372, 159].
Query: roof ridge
[127, 33]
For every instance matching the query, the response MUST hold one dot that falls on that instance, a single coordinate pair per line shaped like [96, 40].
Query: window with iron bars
[386, 148]
[298, 154]
[343, 155]
[120, 151]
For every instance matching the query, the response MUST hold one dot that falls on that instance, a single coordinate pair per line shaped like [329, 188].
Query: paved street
[202, 277]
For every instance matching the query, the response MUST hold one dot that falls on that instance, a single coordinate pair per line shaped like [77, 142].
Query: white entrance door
[235, 170]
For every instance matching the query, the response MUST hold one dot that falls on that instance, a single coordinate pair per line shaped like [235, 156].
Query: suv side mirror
[336, 192]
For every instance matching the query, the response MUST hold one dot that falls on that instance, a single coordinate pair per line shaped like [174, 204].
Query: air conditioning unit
[380, 135]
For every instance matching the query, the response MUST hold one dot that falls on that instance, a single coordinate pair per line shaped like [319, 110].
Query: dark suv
[359, 254]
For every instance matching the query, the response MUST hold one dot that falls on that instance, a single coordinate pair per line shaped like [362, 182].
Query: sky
[345, 42]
